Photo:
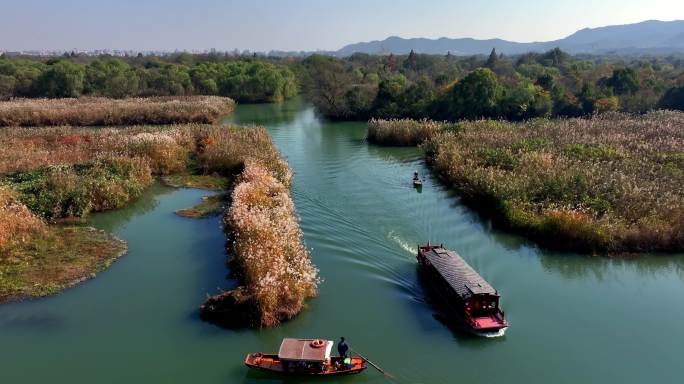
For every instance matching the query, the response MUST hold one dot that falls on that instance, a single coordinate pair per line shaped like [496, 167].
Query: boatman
[342, 347]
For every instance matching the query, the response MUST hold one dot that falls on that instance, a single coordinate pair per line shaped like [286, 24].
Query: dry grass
[403, 132]
[614, 183]
[104, 111]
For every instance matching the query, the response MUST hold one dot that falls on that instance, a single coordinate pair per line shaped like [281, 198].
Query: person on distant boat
[415, 176]
[342, 348]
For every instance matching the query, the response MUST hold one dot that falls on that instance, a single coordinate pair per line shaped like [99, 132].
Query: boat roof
[301, 350]
[455, 271]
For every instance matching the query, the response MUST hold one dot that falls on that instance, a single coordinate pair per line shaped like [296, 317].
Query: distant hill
[645, 37]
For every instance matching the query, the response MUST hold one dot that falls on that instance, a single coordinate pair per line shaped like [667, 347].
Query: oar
[373, 364]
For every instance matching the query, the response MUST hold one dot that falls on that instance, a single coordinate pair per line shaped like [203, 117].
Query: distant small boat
[417, 182]
[461, 290]
[306, 357]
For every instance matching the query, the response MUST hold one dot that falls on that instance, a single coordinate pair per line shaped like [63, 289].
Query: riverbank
[99, 111]
[609, 184]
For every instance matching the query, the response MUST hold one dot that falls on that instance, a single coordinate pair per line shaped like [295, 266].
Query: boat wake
[402, 243]
[491, 335]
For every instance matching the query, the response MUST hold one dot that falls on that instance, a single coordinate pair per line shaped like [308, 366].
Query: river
[573, 318]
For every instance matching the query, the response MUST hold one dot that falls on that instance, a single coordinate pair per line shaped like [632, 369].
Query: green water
[574, 318]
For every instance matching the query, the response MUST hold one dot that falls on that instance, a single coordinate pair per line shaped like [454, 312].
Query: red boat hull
[271, 363]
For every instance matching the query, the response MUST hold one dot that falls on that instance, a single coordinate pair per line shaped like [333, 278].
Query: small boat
[307, 357]
[417, 182]
[461, 290]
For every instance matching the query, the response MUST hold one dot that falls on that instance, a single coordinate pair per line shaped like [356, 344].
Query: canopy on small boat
[303, 350]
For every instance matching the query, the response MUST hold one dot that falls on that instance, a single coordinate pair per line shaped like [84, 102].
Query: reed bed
[104, 111]
[610, 184]
[403, 132]
[267, 249]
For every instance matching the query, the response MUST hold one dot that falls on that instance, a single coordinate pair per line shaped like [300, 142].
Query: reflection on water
[602, 268]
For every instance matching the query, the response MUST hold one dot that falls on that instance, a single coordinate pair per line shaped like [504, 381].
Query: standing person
[342, 347]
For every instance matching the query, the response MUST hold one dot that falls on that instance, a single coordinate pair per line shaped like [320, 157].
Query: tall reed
[403, 132]
[267, 246]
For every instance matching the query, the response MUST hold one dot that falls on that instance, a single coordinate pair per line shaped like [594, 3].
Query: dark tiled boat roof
[455, 271]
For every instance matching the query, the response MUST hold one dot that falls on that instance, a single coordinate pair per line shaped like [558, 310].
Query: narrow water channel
[573, 318]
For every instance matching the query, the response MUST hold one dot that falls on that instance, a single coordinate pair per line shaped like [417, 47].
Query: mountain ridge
[646, 36]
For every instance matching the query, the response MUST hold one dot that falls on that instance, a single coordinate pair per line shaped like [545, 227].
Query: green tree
[7, 84]
[111, 78]
[168, 79]
[673, 99]
[624, 81]
[476, 96]
[327, 83]
[387, 102]
[526, 101]
[493, 59]
[61, 79]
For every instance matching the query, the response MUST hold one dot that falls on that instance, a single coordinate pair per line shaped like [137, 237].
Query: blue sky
[301, 24]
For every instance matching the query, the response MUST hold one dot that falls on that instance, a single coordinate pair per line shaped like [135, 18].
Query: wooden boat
[309, 357]
[462, 290]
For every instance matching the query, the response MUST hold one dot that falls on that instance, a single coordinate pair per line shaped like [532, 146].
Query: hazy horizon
[301, 25]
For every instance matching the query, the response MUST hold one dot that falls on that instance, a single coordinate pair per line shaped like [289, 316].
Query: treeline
[359, 87]
[242, 79]
[521, 87]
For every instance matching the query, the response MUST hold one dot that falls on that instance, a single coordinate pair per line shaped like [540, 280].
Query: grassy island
[98, 111]
[609, 184]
